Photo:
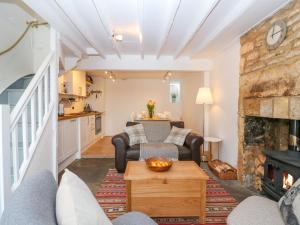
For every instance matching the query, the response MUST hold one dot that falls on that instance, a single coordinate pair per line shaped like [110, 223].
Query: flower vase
[151, 113]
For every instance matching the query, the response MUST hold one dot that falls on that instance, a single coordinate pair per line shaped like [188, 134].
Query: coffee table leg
[128, 195]
[202, 203]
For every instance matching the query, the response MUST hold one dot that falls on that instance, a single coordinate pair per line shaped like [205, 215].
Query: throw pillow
[76, 205]
[177, 136]
[136, 134]
[289, 205]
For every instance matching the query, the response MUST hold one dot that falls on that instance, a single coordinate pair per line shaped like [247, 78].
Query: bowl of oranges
[159, 164]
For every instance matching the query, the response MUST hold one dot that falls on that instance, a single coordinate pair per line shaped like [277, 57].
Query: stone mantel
[286, 107]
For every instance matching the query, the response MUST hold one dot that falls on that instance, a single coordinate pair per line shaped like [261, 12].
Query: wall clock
[276, 34]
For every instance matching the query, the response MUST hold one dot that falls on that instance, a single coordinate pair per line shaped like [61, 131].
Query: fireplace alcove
[272, 156]
[278, 167]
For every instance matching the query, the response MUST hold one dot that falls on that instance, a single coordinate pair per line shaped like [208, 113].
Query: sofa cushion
[289, 205]
[256, 210]
[177, 136]
[33, 203]
[76, 205]
[133, 218]
[136, 134]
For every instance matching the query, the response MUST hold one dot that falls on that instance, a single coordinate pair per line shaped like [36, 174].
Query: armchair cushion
[75, 203]
[136, 134]
[177, 136]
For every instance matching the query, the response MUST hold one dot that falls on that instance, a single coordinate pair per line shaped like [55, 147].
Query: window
[174, 91]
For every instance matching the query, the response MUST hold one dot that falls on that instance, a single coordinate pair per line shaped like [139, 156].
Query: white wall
[223, 113]
[98, 103]
[18, 62]
[192, 114]
[27, 56]
[126, 96]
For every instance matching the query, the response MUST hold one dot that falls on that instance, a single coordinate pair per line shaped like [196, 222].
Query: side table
[211, 140]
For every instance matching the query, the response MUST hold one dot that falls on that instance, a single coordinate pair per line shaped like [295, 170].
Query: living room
[200, 116]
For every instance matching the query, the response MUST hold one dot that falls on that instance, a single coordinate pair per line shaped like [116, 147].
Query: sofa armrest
[194, 142]
[121, 143]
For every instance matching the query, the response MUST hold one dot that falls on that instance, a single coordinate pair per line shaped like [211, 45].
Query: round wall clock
[276, 34]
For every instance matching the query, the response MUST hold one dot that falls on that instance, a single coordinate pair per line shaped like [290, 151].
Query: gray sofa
[256, 210]
[33, 203]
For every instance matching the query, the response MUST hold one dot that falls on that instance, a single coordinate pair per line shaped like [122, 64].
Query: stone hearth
[269, 93]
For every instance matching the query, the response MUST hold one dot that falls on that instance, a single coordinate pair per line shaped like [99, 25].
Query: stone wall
[269, 80]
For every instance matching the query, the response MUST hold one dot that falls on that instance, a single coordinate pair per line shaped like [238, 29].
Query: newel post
[5, 161]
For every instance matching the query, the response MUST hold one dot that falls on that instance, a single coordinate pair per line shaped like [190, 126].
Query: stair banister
[5, 161]
[21, 130]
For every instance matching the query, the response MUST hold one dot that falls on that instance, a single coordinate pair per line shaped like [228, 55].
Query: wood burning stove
[282, 168]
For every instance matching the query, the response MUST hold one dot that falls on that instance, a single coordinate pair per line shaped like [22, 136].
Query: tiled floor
[92, 171]
[101, 149]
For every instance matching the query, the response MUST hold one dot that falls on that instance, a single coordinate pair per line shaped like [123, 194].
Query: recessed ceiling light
[117, 37]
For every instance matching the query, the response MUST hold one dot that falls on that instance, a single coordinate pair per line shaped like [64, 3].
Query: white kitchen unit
[75, 136]
[84, 126]
[75, 82]
[67, 139]
[87, 131]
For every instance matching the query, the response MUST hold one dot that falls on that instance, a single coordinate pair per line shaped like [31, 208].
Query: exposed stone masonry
[269, 86]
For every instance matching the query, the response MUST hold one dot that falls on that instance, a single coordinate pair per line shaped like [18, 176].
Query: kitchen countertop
[77, 115]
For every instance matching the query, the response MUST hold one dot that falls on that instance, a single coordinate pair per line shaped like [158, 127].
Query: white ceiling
[177, 28]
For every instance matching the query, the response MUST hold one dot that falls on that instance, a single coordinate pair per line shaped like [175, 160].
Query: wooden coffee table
[181, 191]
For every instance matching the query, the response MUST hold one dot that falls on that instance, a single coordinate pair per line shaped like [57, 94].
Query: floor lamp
[204, 97]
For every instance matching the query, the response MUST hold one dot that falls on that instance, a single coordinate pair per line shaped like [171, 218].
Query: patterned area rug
[112, 198]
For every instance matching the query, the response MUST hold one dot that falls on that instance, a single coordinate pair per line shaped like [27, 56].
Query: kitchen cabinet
[75, 82]
[87, 131]
[60, 155]
[84, 132]
[67, 139]
[91, 129]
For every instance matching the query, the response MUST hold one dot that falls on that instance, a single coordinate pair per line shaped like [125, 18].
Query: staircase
[13, 93]
[28, 109]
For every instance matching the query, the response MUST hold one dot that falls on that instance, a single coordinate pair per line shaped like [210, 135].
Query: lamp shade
[204, 96]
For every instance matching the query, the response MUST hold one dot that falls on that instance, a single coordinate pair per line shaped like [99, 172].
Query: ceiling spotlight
[169, 74]
[106, 72]
[117, 37]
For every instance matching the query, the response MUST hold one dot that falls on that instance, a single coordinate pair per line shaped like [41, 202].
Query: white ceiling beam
[108, 29]
[77, 28]
[240, 8]
[149, 63]
[71, 46]
[140, 13]
[170, 26]
[200, 25]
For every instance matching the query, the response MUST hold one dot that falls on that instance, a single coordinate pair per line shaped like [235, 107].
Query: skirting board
[67, 162]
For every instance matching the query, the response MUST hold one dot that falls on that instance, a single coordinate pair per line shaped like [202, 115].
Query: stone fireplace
[269, 98]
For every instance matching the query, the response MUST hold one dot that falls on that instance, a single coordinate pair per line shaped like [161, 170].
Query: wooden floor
[101, 149]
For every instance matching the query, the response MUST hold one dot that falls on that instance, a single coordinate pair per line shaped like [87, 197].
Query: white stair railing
[21, 129]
